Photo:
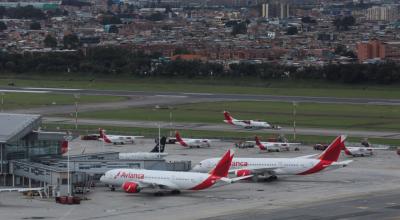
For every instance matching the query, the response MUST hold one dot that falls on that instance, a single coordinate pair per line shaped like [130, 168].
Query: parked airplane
[134, 180]
[190, 142]
[155, 153]
[274, 146]
[248, 123]
[271, 167]
[117, 139]
[362, 151]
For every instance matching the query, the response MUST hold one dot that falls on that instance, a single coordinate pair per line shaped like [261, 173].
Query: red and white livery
[116, 139]
[248, 123]
[273, 146]
[134, 180]
[190, 142]
[271, 167]
[362, 151]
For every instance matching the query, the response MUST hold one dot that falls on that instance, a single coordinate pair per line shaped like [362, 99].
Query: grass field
[356, 117]
[239, 86]
[223, 135]
[31, 100]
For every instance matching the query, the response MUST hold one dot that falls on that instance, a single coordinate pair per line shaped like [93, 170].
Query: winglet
[223, 165]
[332, 153]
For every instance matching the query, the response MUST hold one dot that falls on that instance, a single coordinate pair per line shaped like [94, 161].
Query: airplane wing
[341, 163]
[157, 184]
[307, 156]
[232, 180]
[377, 148]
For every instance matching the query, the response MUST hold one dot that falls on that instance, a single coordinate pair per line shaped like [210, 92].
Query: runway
[209, 96]
[223, 127]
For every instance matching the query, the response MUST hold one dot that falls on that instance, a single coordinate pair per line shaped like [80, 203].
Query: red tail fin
[228, 117]
[179, 139]
[332, 153]
[64, 146]
[224, 164]
[259, 144]
[104, 136]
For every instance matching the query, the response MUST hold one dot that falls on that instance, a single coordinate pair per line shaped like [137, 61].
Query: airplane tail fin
[224, 164]
[64, 146]
[179, 139]
[160, 146]
[259, 144]
[104, 136]
[332, 153]
[227, 116]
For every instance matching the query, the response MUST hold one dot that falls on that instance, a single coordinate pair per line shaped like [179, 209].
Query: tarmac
[368, 188]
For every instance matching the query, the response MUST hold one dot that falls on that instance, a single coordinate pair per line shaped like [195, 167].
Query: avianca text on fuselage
[285, 166]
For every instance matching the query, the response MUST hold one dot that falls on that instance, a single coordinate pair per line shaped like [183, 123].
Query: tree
[71, 41]
[3, 26]
[291, 31]
[50, 41]
[35, 26]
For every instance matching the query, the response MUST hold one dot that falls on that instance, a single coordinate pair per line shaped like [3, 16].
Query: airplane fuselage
[174, 180]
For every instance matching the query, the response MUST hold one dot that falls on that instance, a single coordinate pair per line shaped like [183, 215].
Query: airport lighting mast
[76, 110]
[69, 138]
[294, 120]
[2, 101]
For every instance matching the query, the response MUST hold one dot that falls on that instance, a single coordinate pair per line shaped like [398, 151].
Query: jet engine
[131, 187]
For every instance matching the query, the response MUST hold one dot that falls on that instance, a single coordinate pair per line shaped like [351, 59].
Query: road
[222, 127]
[211, 96]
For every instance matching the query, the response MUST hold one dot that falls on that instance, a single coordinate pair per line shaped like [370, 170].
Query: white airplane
[117, 139]
[362, 151]
[154, 154]
[20, 189]
[134, 180]
[248, 123]
[273, 146]
[271, 167]
[190, 142]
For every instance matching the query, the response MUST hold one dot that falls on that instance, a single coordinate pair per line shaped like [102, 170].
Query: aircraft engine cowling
[131, 187]
[240, 173]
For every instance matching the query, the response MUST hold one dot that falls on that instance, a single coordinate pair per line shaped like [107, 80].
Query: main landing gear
[271, 178]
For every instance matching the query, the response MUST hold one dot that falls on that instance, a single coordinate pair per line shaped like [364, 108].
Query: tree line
[115, 61]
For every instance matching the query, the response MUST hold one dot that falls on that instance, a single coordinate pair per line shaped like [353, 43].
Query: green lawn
[239, 86]
[223, 135]
[31, 100]
[346, 116]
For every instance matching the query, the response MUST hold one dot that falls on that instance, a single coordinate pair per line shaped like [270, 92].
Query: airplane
[362, 151]
[273, 146]
[248, 123]
[272, 167]
[134, 180]
[190, 142]
[116, 139]
[155, 153]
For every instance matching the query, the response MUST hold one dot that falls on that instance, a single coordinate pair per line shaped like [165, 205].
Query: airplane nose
[196, 168]
[102, 178]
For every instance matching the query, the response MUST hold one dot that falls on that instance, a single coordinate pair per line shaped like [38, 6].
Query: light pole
[2, 101]
[76, 110]
[69, 138]
[294, 120]
[170, 123]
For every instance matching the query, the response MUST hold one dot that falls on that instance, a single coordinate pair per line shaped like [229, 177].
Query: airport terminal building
[30, 157]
